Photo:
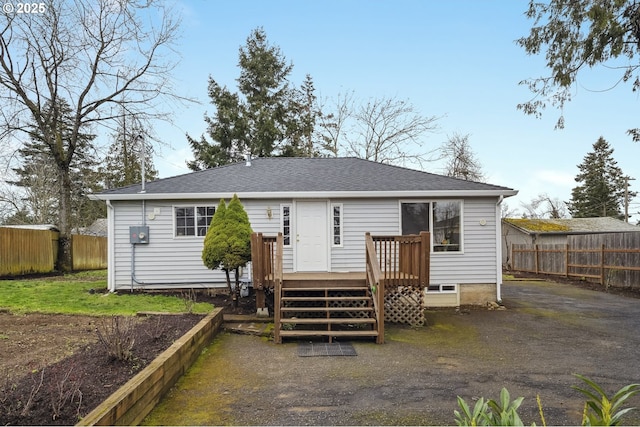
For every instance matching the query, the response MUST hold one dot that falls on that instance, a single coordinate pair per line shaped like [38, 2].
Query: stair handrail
[277, 284]
[375, 284]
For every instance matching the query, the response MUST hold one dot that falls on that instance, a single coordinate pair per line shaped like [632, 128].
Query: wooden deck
[347, 304]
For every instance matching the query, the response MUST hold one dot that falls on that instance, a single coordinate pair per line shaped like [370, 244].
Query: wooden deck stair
[325, 306]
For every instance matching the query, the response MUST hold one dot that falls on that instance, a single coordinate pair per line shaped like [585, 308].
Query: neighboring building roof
[571, 226]
[295, 177]
[50, 227]
[97, 228]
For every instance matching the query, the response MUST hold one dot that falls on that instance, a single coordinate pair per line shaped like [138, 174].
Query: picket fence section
[28, 251]
[611, 259]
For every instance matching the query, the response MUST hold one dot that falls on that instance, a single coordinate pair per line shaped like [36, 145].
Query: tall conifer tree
[601, 188]
[123, 163]
[266, 117]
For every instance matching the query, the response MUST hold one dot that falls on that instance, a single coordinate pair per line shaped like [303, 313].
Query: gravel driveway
[547, 332]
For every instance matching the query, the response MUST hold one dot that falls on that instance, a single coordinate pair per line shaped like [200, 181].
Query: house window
[446, 219]
[336, 216]
[286, 224]
[415, 217]
[193, 220]
[446, 226]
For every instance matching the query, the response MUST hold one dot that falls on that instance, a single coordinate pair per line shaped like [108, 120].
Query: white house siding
[477, 263]
[376, 216]
[175, 262]
[168, 261]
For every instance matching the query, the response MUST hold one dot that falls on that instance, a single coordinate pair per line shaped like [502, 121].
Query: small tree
[227, 244]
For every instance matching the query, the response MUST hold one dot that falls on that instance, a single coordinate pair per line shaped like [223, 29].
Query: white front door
[312, 236]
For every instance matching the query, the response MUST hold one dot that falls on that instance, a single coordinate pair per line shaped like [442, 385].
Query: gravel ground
[548, 332]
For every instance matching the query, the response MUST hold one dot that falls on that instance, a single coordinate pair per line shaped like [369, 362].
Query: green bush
[599, 409]
[490, 412]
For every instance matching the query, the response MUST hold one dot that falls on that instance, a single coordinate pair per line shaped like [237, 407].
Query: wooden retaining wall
[131, 403]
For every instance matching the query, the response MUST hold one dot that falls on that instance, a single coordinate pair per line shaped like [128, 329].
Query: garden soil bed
[54, 369]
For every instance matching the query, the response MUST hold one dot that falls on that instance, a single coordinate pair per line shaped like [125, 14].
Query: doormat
[311, 349]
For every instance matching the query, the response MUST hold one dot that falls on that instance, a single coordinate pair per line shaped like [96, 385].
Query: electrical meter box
[139, 235]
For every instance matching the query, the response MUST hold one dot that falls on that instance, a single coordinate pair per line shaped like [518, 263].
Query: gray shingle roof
[295, 175]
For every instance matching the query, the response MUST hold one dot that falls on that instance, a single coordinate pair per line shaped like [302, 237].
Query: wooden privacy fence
[610, 259]
[89, 252]
[27, 251]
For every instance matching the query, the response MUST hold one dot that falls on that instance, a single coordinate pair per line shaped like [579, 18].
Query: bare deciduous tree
[389, 130]
[97, 57]
[506, 211]
[461, 160]
[330, 126]
[544, 206]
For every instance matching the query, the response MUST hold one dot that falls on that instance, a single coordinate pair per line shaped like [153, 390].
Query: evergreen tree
[575, 36]
[301, 122]
[43, 181]
[265, 118]
[123, 166]
[600, 192]
[227, 244]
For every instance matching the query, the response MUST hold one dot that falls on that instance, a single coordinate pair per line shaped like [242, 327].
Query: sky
[457, 60]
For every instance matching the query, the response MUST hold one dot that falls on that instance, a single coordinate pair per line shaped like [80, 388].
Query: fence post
[535, 260]
[566, 260]
[423, 271]
[602, 265]
[513, 261]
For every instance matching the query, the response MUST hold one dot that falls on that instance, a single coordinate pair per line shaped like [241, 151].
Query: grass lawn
[85, 293]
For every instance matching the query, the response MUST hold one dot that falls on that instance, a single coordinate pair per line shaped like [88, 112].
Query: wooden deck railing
[403, 263]
[404, 260]
[376, 285]
[266, 262]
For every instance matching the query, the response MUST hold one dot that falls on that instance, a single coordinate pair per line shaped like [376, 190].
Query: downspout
[111, 283]
[499, 250]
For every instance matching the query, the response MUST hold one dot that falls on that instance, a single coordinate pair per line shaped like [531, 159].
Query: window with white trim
[442, 218]
[446, 226]
[285, 215]
[193, 220]
[336, 223]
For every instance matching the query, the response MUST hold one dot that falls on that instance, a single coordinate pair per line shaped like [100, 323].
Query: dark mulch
[63, 392]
